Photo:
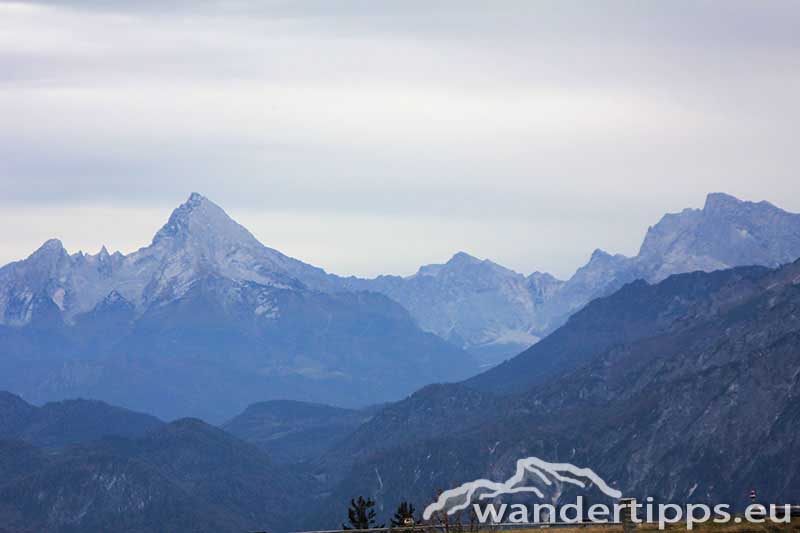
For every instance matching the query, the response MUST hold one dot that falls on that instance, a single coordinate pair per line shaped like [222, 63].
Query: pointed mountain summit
[49, 248]
[29, 287]
[200, 240]
[463, 258]
[201, 219]
[44, 262]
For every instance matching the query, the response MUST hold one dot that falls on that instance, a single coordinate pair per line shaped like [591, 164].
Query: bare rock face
[727, 232]
[475, 304]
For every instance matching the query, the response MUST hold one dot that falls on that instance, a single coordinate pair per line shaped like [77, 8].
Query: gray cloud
[554, 127]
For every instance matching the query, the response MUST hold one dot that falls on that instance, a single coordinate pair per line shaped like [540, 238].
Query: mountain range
[495, 313]
[207, 320]
[204, 321]
[686, 390]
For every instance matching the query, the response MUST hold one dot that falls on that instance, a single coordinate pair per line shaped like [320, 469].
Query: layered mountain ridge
[470, 301]
[207, 312]
[686, 390]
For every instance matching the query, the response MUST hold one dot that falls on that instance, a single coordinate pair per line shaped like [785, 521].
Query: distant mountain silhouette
[291, 431]
[66, 422]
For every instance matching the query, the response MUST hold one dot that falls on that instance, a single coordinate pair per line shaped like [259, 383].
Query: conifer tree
[361, 514]
[404, 512]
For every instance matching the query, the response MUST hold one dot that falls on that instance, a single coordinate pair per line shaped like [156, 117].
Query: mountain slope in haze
[184, 476]
[427, 414]
[205, 321]
[496, 313]
[58, 424]
[292, 431]
[693, 401]
[476, 304]
[85, 492]
[636, 311]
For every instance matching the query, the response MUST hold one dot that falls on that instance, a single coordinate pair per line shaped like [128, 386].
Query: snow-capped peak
[198, 241]
[202, 220]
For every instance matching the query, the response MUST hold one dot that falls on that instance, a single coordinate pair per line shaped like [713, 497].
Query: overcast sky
[371, 137]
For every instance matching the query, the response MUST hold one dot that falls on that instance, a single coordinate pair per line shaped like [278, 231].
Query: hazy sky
[371, 137]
